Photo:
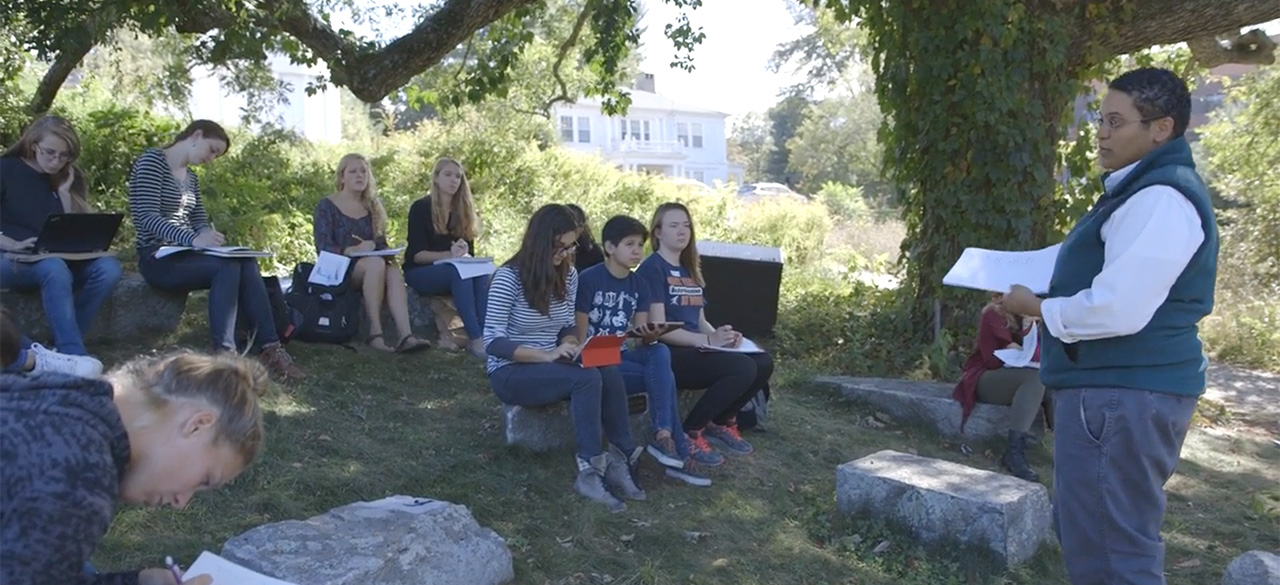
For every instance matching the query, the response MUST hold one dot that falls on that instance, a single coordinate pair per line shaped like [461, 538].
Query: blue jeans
[72, 292]
[470, 295]
[233, 283]
[24, 344]
[1113, 451]
[648, 369]
[597, 400]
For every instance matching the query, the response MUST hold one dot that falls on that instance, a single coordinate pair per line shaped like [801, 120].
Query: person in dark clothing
[154, 432]
[39, 178]
[588, 252]
[164, 200]
[673, 273]
[444, 225]
[986, 379]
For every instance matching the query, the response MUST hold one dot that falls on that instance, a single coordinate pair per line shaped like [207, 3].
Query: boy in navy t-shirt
[613, 301]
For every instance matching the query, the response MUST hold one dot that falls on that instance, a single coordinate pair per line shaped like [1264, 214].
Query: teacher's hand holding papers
[1021, 301]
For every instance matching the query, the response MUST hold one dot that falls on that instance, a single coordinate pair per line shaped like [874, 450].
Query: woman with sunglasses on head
[38, 178]
[164, 199]
[529, 336]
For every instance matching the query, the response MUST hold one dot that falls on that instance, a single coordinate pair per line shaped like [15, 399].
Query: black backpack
[328, 314]
[286, 319]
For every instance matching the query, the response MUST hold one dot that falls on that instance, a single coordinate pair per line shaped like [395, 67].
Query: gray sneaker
[620, 473]
[727, 438]
[590, 483]
[690, 473]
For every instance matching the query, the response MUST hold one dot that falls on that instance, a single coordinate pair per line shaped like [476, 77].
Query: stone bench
[929, 402]
[550, 427]
[1256, 567]
[943, 502]
[135, 313]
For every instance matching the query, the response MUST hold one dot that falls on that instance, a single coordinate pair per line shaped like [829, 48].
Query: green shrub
[799, 229]
[845, 202]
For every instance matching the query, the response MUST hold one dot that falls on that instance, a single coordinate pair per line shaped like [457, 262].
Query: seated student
[164, 199]
[674, 275]
[38, 177]
[444, 225]
[611, 301]
[353, 220]
[154, 432]
[588, 252]
[528, 332]
[31, 357]
[986, 379]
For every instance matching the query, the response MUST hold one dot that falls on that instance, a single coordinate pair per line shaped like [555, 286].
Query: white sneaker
[48, 360]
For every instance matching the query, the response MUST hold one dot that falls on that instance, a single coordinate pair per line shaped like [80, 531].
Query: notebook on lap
[77, 233]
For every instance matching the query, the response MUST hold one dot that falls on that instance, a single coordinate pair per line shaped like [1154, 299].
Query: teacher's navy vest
[1166, 355]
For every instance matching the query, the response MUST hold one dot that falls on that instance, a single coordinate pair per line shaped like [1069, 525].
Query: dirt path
[1252, 397]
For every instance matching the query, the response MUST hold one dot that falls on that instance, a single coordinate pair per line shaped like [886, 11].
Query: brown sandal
[378, 337]
[411, 344]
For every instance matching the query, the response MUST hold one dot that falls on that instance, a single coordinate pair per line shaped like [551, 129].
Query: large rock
[135, 313]
[550, 427]
[394, 541]
[1253, 568]
[943, 502]
[929, 402]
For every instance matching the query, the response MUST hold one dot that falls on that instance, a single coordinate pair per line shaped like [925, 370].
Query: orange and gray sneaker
[280, 364]
[702, 452]
[728, 438]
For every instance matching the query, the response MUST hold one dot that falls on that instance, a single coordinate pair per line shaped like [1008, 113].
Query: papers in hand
[329, 270]
[998, 271]
[1025, 357]
[219, 251]
[224, 571]
[745, 346]
[469, 267]
[386, 252]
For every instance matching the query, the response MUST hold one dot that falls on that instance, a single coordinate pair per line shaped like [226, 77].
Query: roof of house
[647, 100]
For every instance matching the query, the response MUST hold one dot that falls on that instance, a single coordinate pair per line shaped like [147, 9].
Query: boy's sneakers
[48, 360]
[689, 472]
[664, 450]
[701, 452]
[728, 438]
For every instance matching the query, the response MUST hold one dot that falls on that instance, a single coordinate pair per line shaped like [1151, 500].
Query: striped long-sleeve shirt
[509, 321]
[163, 211]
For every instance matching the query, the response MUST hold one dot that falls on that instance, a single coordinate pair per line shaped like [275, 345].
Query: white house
[317, 117]
[658, 135]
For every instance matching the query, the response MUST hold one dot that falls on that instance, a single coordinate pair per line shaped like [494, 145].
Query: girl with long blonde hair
[444, 225]
[38, 178]
[352, 221]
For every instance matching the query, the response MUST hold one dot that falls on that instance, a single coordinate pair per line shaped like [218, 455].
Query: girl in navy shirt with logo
[674, 275]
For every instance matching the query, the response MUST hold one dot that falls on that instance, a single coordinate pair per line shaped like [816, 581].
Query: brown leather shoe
[280, 364]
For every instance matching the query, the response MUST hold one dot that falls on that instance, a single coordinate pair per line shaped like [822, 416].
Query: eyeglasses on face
[53, 154]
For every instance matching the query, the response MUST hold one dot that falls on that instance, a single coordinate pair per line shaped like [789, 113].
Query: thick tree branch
[565, 49]
[1174, 21]
[67, 60]
[1253, 47]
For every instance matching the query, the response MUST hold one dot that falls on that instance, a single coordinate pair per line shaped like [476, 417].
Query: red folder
[602, 350]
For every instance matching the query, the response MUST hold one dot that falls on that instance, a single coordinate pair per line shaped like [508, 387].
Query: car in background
[768, 190]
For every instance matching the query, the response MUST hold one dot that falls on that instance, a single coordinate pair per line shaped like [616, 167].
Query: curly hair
[1157, 93]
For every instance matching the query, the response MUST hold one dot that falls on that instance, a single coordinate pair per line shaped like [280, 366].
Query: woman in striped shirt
[164, 200]
[528, 334]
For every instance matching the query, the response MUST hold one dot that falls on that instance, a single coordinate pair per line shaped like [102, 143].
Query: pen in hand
[173, 568]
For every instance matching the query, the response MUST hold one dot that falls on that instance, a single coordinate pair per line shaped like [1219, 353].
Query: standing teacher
[1132, 281]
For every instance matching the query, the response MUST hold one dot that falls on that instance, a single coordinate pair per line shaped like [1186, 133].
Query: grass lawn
[366, 425]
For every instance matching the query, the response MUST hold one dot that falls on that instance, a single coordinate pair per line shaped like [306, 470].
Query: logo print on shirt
[684, 291]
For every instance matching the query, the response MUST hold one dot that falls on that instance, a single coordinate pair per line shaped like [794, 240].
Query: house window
[584, 129]
[696, 129]
[637, 130]
[698, 176]
[566, 128]
[682, 133]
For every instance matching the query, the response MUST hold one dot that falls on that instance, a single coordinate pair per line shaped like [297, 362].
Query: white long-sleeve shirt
[1147, 243]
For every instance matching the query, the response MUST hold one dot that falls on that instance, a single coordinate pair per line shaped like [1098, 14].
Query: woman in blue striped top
[164, 200]
[528, 335]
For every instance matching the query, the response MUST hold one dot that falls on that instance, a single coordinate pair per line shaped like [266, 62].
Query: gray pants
[1113, 451]
[1019, 389]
